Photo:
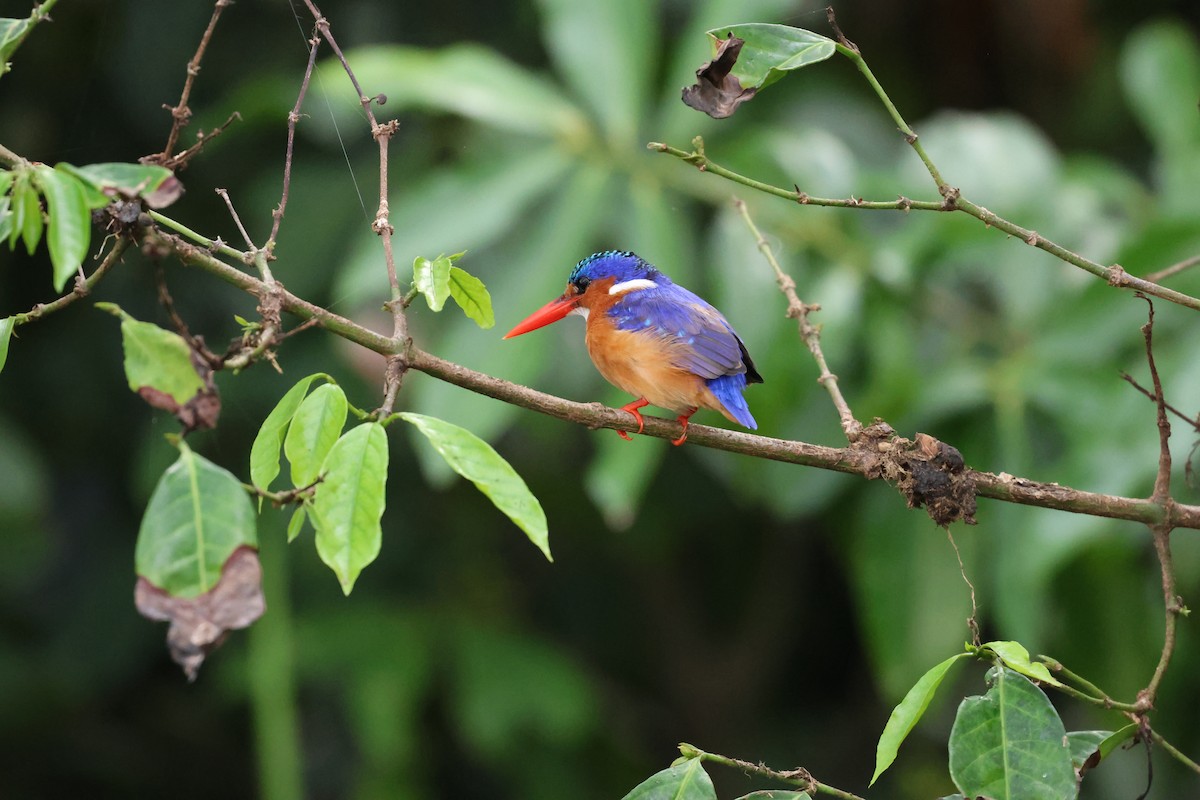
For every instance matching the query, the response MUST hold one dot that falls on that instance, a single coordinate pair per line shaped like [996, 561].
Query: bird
[654, 339]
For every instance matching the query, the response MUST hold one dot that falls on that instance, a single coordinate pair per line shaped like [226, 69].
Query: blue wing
[708, 345]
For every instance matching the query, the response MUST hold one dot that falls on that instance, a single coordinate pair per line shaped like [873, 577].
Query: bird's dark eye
[581, 284]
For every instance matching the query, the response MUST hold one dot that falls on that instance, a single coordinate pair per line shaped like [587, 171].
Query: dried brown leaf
[199, 624]
[716, 92]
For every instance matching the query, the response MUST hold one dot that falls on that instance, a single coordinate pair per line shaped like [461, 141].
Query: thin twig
[593, 415]
[810, 333]
[1174, 269]
[323, 27]
[1174, 751]
[1161, 531]
[202, 139]
[973, 620]
[794, 777]
[196, 343]
[181, 114]
[82, 287]
[293, 117]
[1114, 275]
[382, 133]
[236, 219]
[1194, 423]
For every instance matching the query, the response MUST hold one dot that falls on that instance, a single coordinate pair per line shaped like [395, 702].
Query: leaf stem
[215, 245]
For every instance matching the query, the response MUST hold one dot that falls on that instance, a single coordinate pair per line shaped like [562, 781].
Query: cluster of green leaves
[342, 477]
[338, 476]
[70, 194]
[439, 279]
[38, 202]
[1009, 743]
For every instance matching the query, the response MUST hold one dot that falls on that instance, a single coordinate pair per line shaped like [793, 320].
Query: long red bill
[551, 312]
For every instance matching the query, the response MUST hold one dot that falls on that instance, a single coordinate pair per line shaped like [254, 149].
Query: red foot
[632, 408]
[683, 420]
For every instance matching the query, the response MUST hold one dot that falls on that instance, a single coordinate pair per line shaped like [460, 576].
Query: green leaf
[775, 794]
[772, 50]
[908, 713]
[156, 358]
[295, 524]
[472, 296]
[314, 428]
[12, 31]
[1016, 657]
[6, 328]
[348, 504]
[6, 181]
[129, 179]
[1010, 744]
[197, 516]
[21, 188]
[70, 231]
[1084, 744]
[686, 780]
[30, 214]
[264, 453]
[432, 279]
[1119, 737]
[475, 460]
[6, 218]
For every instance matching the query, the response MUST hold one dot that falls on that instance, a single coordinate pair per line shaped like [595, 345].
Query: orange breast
[641, 364]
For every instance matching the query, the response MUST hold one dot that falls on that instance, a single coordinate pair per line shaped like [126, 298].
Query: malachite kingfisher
[654, 339]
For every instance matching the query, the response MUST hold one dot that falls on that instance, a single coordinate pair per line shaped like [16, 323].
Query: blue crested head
[619, 264]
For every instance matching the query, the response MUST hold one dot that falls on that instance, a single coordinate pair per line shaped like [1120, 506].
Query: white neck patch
[629, 286]
[580, 310]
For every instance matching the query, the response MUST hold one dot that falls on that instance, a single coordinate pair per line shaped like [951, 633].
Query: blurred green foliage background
[756, 609]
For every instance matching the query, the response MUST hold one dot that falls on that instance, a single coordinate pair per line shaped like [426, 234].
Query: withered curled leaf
[199, 624]
[717, 92]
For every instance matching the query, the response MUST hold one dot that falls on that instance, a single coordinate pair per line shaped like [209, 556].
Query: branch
[181, 115]
[811, 334]
[83, 287]
[1174, 269]
[1115, 275]
[795, 777]
[864, 458]
[1161, 531]
[382, 225]
[293, 118]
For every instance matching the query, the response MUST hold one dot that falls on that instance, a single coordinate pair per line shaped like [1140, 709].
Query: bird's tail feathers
[728, 390]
